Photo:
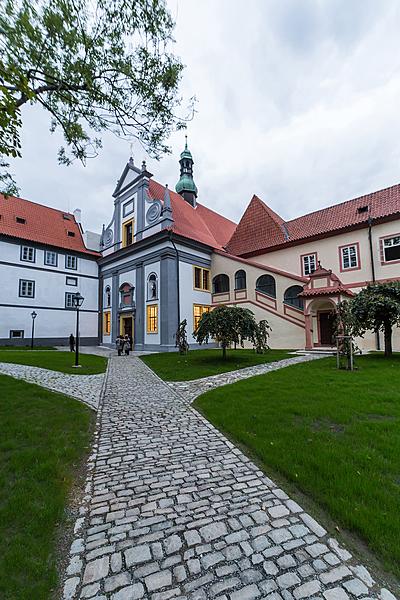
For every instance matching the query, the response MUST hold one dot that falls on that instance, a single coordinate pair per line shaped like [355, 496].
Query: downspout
[371, 253]
[177, 275]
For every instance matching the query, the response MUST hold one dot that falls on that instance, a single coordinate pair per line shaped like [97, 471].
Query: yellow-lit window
[107, 323]
[127, 233]
[201, 279]
[152, 318]
[198, 311]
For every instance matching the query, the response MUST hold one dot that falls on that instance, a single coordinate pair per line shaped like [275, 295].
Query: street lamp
[33, 315]
[77, 301]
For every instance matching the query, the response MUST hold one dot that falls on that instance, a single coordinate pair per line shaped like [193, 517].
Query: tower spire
[186, 186]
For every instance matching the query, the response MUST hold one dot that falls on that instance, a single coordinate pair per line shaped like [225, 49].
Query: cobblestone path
[191, 389]
[86, 388]
[173, 510]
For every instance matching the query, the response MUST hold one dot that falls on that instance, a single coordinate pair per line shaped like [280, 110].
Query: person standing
[71, 343]
[119, 342]
[127, 345]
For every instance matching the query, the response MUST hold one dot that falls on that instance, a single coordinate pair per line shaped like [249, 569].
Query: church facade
[165, 257]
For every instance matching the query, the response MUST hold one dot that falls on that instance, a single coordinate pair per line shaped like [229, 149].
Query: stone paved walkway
[173, 510]
[86, 388]
[189, 390]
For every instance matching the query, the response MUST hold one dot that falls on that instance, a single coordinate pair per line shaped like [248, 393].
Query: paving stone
[158, 580]
[356, 587]
[337, 593]
[96, 569]
[335, 575]
[213, 531]
[137, 555]
[116, 581]
[172, 544]
[250, 592]
[132, 592]
[287, 580]
[311, 588]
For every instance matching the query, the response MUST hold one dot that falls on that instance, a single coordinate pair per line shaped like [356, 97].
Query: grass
[55, 360]
[334, 434]
[171, 366]
[26, 348]
[43, 439]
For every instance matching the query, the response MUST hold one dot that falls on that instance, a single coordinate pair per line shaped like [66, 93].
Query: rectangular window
[71, 262]
[127, 208]
[71, 280]
[152, 318]
[50, 258]
[107, 323]
[28, 254]
[198, 311]
[349, 257]
[26, 288]
[69, 299]
[127, 233]
[16, 333]
[391, 248]
[309, 263]
[201, 279]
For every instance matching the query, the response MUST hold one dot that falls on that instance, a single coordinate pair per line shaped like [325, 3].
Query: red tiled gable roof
[200, 224]
[43, 224]
[332, 290]
[252, 238]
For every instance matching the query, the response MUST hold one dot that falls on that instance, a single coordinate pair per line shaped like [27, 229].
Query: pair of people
[123, 344]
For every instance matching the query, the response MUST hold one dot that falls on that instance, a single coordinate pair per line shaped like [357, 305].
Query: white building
[43, 262]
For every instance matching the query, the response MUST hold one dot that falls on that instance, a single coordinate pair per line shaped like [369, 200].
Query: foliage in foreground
[43, 437]
[376, 308]
[334, 435]
[229, 325]
[93, 66]
[181, 338]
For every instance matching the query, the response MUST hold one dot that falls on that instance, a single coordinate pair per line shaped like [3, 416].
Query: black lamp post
[33, 315]
[77, 301]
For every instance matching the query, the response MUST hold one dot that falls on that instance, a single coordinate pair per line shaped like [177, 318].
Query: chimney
[78, 215]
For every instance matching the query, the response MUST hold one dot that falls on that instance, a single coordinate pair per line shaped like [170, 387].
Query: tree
[377, 307]
[181, 338]
[344, 328]
[261, 335]
[227, 325]
[94, 65]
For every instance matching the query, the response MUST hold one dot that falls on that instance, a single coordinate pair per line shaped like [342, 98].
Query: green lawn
[44, 438]
[23, 348]
[171, 366]
[55, 360]
[334, 434]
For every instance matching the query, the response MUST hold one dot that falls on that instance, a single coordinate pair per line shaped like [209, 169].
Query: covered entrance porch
[321, 295]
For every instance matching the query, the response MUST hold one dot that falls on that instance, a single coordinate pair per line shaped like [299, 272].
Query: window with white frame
[69, 302]
[50, 258]
[71, 280]
[26, 288]
[16, 333]
[71, 262]
[27, 253]
[391, 248]
[309, 263]
[349, 257]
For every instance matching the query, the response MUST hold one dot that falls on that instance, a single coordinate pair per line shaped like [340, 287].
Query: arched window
[220, 284]
[126, 294]
[107, 297]
[152, 287]
[266, 285]
[291, 296]
[240, 280]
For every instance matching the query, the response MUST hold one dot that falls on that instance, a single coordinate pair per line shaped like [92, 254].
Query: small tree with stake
[228, 325]
[377, 307]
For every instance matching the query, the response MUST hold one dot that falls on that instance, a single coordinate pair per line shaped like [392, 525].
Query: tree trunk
[388, 340]
[224, 351]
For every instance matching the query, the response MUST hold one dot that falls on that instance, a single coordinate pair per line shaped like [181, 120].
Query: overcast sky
[298, 102]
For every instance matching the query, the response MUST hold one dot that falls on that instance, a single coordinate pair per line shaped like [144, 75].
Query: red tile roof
[332, 290]
[200, 224]
[261, 230]
[42, 224]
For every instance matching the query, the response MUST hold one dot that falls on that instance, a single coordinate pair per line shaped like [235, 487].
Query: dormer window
[362, 209]
[71, 233]
[20, 220]
[67, 217]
